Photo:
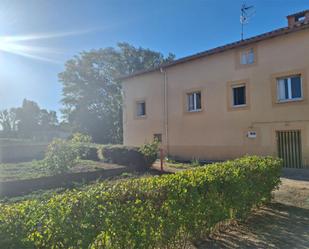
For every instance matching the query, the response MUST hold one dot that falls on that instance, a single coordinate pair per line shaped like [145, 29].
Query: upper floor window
[239, 95]
[141, 108]
[289, 88]
[194, 101]
[247, 56]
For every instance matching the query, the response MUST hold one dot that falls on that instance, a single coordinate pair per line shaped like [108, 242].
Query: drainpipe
[165, 118]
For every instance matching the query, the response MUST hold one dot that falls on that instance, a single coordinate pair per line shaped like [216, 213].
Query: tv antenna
[245, 15]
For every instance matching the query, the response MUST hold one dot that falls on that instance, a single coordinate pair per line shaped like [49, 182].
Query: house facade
[247, 97]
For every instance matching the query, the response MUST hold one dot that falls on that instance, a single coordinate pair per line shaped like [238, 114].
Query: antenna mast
[245, 15]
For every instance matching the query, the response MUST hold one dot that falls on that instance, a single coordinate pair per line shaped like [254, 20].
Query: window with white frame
[239, 95]
[141, 108]
[247, 57]
[194, 101]
[289, 88]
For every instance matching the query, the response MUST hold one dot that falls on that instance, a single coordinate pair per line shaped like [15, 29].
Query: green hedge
[129, 156]
[89, 152]
[154, 212]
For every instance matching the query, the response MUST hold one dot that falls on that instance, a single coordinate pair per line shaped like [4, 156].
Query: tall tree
[27, 120]
[91, 94]
[8, 121]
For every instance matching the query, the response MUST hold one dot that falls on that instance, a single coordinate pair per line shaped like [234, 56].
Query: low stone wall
[22, 187]
[14, 153]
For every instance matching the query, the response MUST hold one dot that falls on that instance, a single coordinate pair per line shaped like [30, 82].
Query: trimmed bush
[153, 212]
[88, 152]
[139, 157]
[86, 149]
[123, 155]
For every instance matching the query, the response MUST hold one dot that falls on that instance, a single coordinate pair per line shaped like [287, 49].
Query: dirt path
[282, 224]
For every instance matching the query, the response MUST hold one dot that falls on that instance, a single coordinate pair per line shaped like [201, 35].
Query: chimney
[298, 18]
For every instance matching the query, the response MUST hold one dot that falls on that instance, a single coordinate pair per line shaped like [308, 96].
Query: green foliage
[81, 138]
[61, 155]
[27, 121]
[91, 93]
[123, 155]
[157, 212]
[150, 152]
[141, 158]
[86, 149]
[195, 162]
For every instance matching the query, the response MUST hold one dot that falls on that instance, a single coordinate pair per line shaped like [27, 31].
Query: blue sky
[47, 33]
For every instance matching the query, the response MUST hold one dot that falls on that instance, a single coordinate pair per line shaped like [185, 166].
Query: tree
[8, 121]
[91, 94]
[27, 120]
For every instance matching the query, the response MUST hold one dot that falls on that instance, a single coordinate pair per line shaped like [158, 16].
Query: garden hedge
[89, 152]
[129, 156]
[152, 212]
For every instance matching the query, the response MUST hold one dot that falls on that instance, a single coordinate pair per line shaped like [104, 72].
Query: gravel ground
[282, 224]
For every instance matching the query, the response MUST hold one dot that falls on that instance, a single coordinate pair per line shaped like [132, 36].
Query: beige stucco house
[247, 97]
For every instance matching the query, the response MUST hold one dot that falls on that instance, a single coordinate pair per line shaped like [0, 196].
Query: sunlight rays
[16, 45]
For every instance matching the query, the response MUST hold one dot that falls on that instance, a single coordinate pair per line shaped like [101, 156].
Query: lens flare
[16, 45]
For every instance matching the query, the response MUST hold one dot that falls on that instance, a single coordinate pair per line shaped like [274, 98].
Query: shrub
[150, 152]
[88, 152]
[141, 158]
[61, 155]
[157, 212]
[123, 155]
[81, 138]
[86, 149]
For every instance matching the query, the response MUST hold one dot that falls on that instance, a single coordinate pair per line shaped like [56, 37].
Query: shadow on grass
[274, 226]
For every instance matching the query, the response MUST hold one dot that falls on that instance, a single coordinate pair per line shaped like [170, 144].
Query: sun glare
[16, 45]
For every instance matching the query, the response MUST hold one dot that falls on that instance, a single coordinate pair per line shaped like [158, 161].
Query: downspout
[165, 112]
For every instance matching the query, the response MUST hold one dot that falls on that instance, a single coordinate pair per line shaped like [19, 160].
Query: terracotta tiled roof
[264, 36]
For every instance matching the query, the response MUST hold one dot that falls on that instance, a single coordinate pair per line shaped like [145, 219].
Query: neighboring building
[247, 97]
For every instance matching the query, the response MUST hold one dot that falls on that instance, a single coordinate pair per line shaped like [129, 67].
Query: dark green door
[289, 148]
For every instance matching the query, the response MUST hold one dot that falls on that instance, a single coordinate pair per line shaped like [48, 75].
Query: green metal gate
[289, 148]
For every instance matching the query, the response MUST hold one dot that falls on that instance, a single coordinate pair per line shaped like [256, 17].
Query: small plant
[150, 151]
[195, 162]
[61, 155]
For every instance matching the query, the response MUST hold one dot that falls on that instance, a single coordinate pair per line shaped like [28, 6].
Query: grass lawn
[176, 166]
[34, 169]
[48, 193]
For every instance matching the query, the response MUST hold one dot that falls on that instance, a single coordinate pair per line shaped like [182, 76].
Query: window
[194, 101]
[289, 88]
[157, 137]
[141, 109]
[239, 95]
[247, 57]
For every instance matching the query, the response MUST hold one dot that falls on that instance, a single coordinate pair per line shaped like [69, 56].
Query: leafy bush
[88, 152]
[81, 138]
[61, 155]
[124, 155]
[86, 149]
[150, 152]
[157, 212]
[141, 158]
